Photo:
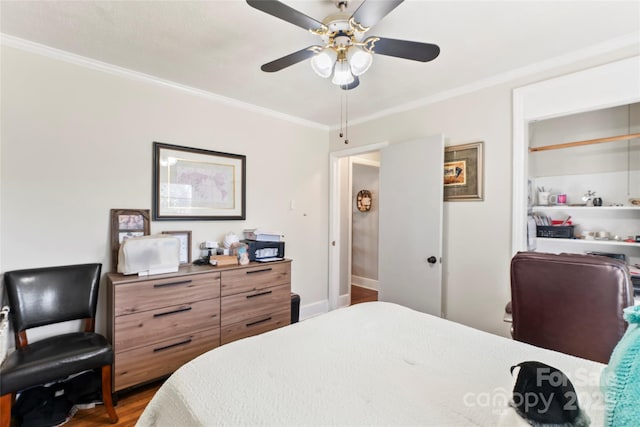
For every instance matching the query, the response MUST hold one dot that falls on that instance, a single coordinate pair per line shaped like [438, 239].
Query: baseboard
[365, 282]
[344, 300]
[311, 310]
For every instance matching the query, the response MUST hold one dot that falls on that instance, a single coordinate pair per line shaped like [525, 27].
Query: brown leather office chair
[571, 303]
[44, 296]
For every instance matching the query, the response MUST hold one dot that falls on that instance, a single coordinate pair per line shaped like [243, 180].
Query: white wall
[477, 235]
[77, 142]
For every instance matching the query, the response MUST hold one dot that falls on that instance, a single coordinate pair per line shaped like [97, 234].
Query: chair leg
[106, 393]
[5, 409]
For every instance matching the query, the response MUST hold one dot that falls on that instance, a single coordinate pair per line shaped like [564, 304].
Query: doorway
[410, 224]
[340, 227]
[364, 178]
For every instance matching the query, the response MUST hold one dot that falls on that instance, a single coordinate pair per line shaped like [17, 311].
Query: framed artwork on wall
[463, 172]
[197, 184]
[185, 244]
[126, 223]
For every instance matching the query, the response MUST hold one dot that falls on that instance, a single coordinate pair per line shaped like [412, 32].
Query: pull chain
[341, 114]
[346, 118]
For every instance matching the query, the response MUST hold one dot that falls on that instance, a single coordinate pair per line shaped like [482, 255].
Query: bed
[364, 365]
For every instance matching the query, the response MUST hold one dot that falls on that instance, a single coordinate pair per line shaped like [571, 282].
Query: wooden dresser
[254, 300]
[158, 323]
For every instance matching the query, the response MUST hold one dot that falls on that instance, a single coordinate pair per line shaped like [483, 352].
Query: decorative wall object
[463, 172]
[197, 184]
[363, 200]
[185, 244]
[126, 223]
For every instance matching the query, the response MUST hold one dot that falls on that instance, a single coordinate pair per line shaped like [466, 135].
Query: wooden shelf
[586, 142]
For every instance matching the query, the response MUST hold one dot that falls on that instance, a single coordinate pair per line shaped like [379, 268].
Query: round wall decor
[363, 200]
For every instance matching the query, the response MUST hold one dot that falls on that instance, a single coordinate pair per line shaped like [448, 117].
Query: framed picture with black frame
[197, 184]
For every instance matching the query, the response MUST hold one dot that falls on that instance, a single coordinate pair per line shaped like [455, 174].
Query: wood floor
[129, 408]
[131, 405]
[360, 294]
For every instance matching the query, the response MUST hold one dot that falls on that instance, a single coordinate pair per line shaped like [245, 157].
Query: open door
[410, 239]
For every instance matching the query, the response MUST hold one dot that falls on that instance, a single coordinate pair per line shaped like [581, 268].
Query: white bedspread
[368, 364]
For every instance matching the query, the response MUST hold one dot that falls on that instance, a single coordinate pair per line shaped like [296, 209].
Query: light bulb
[322, 63]
[342, 74]
[359, 60]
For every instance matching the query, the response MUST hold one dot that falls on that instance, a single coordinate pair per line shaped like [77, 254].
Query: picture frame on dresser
[463, 175]
[126, 223]
[197, 184]
[185, 244]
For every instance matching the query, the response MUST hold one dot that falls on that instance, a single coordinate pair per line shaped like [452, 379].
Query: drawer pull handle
[162, 285]
[166, 313]
[259, 294]
[167, 347]
[264, 270]
[257, 322]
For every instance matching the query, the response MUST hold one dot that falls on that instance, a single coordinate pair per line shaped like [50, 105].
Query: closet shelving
[615, 218]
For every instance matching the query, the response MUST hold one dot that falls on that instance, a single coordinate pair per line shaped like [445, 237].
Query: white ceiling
[218, 46]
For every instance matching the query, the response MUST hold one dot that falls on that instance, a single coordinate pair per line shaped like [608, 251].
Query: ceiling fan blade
[289, 60]
[416, 51]
[286, 13]
[371, 12]
[354, 84]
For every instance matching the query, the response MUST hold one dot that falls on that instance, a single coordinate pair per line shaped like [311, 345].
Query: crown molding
[629, 40]
[82, 61]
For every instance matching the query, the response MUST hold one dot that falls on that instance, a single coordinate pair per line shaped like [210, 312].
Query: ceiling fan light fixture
[322, 62]
[343, 51]
[342, 74]
[359, 60]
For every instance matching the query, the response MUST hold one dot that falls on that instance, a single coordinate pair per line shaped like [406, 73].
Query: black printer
[264, 251]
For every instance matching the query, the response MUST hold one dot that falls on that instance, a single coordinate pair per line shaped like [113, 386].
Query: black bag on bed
[543, 395]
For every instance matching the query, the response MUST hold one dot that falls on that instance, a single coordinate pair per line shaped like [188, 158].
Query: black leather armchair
[571, 303]
[45, 296]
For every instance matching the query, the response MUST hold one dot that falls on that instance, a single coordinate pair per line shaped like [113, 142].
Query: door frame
[334, 216]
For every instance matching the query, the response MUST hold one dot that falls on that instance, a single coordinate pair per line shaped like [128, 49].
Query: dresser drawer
[255, 278]
[254, 326]
[147, 363]
[149, 294]
[249, 305]
[139, 329]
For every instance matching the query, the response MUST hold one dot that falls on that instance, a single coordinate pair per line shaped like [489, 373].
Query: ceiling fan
[345, 53]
